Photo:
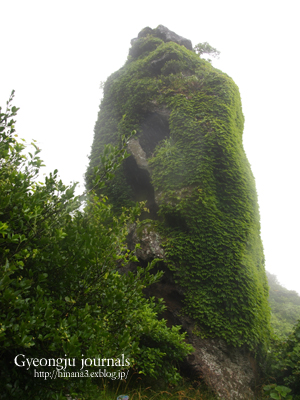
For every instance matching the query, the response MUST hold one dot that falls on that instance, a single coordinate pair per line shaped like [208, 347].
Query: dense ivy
[208, 211]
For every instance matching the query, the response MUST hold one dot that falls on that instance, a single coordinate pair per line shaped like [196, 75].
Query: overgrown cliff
[187, 161]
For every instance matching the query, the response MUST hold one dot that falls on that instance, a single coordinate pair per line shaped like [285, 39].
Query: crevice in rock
[155, 128]
[139, 181]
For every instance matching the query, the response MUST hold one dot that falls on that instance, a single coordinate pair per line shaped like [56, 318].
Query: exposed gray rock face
[166, 35]
[150, 242]
[230, 372]
[138, 153]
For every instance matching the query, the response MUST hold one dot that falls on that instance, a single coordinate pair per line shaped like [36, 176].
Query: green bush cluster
[61, 293]
[208, 211]
[283, 363]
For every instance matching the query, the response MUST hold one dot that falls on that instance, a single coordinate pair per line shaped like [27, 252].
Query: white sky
[56, 53]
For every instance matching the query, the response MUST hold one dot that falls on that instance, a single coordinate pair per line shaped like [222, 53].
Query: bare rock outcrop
[166, 35]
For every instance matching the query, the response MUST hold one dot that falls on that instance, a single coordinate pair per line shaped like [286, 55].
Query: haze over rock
[188, 163]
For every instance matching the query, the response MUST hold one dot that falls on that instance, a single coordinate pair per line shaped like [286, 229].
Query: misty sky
[56, 53]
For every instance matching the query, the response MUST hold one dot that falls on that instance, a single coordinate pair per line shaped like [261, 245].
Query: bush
[284, 361]
[62, 296]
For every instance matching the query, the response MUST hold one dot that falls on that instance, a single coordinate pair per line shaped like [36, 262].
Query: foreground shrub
[62, 298]
[284, 362]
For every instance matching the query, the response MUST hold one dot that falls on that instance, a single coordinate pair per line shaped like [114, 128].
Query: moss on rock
[206, 201]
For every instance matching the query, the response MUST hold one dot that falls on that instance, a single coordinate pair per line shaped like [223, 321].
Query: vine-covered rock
[187, 161]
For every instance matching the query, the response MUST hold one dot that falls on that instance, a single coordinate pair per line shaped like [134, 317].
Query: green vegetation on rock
[208, 213]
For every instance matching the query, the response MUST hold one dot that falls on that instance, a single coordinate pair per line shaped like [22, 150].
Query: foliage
[292, 361]
[138, 387]
[208, 212]
[62, 295]
[278, 392]
[283, 363]
[285, 307]
[206, 48]
[148, 389]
